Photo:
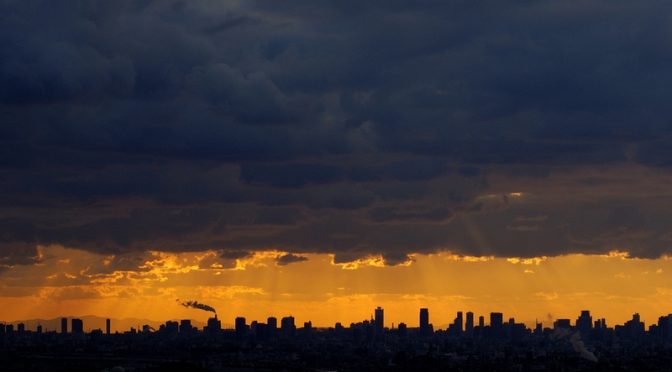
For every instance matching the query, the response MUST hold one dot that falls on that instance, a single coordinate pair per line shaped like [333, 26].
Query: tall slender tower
[425, 328]
[459, 322]
[379, 319]
[469, 325]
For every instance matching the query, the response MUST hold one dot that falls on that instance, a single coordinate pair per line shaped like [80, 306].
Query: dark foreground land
[330, 349]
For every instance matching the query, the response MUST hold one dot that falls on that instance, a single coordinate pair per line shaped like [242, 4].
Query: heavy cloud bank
[507, 128]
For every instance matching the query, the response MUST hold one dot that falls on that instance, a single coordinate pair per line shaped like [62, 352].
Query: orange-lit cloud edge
[73, 282]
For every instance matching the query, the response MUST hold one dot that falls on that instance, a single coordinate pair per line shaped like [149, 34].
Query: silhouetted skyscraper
[469, 325]
[77, 325]
[496, 320]
[425, 327]
[107, 326]
[21, 328]
[665, 326]
[172, 327]
[380, 319]
[459, 322]
[481, 322]
[272, 326]
[401, 329]
[64, 325]
[424, 318]
[214, 326]
[287, 326]
[241, 326]
[185, 326]
[584, 323]
[562, 324]
[496, 324]
[632, 328]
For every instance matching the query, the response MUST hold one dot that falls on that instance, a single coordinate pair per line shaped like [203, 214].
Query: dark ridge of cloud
[470, 171]
[290, 175]
[395, 258]
[297, 175]
[412, 169]
[353, 128]
[383, 214]
[232, 255]
[290, 258]
[657, 153]
[18, 253]
[234, 21]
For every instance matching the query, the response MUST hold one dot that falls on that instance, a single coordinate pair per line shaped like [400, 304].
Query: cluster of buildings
[463, 325]
[468, 342]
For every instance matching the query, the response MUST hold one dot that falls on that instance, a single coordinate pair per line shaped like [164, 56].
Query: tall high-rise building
[538, 330]
[272, 322]
[481, 322]
[241, 326]
[665, 326]
[424, 318]
[107, 326]
[459, 322]
[584, 323]
[496, 324]
[77, 325]
[272, 326]
[425, 327]
[379, 319]
[455, 328]
[469, 325]
[64, 325]
[214, 326]
[185, 326]
[561, 324]
[496, 320]
[172, 327]
[401, 329]
[287, 326]
[633, 327]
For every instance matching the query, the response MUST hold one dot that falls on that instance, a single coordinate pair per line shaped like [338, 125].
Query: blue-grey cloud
[378, 127]
[290, 258]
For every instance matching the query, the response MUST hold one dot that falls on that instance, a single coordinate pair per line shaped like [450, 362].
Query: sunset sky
[320, 159]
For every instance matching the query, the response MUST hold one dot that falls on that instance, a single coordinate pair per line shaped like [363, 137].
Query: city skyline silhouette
[584, 343]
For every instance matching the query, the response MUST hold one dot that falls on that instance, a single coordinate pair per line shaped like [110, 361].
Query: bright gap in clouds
[74, 282]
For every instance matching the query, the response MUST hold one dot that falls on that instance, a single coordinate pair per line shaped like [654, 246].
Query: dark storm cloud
[355, 128]
[18, 253]
[290, 258]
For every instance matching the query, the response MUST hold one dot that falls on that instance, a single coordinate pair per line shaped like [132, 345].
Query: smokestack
[197, 305]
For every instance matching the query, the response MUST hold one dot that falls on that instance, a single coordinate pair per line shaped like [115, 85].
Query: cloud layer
[480, 127]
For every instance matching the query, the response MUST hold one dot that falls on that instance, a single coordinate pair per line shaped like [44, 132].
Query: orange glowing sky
[77, 283]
